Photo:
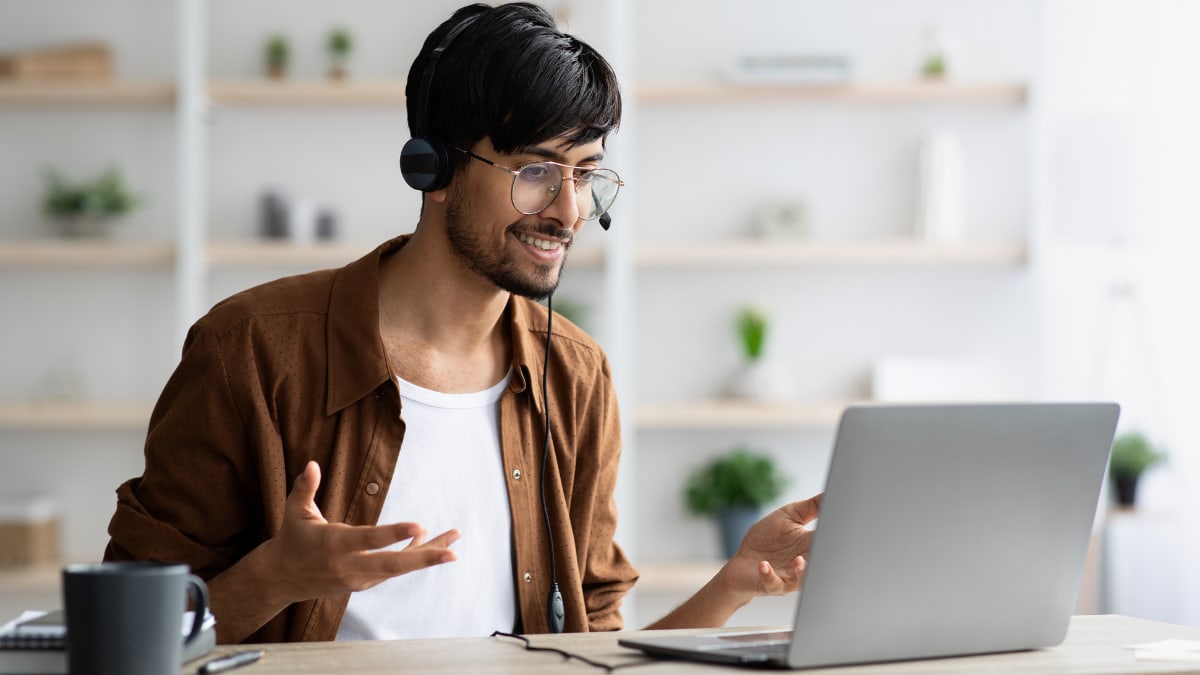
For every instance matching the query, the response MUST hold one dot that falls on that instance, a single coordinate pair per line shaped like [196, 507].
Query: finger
[395, 563]
[769, 582]
[445, 539]
[373, 537]
[301, 502]
[805, 511]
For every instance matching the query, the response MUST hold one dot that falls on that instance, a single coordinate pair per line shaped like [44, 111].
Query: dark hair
[513, 77]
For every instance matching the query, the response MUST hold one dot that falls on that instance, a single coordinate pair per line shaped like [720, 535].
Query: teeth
[543, 244]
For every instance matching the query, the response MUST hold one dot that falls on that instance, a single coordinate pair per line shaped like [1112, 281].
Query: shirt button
[516, 474]
[528, 577]
[372, 488]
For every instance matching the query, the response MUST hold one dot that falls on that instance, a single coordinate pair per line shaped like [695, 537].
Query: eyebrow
[553, 155]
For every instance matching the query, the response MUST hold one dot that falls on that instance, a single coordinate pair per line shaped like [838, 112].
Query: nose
[565, 206]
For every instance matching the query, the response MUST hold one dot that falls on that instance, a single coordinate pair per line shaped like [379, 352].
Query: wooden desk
[1095, 644]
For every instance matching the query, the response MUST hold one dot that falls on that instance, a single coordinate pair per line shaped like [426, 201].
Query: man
[421, 384]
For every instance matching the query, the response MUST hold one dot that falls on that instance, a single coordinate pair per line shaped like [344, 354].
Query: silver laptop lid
[951, 529]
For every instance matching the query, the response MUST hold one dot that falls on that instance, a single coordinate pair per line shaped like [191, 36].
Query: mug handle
[198, 595]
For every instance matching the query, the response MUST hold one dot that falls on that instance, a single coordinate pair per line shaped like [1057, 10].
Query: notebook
[945, 530]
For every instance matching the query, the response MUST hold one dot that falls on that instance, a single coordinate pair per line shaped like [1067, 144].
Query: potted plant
[339, 45]
[89, 207]
[278, 52]
[1132, 454]
[756, 379]
[733, 489]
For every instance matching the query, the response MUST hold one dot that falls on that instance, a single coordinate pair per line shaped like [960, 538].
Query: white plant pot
[758, 380]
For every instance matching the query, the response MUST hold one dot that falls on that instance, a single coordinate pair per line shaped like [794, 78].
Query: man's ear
[438, 196]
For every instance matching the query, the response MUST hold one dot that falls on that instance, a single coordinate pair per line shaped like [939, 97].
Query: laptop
[945, 530]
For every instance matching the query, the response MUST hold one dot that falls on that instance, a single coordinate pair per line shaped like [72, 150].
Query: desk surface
[1094, 644]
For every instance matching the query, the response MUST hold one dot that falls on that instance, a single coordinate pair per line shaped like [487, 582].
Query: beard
[538, 281]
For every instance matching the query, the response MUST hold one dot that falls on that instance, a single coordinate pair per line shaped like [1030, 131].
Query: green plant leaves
[740, 478]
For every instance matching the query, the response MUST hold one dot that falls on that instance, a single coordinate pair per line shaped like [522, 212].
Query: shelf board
[251, 252]
[307, 92]
[730, 414]
[87, 92]
[964, 93]
[241, 253]
[85, 253]
[756, 252]
[74, 416]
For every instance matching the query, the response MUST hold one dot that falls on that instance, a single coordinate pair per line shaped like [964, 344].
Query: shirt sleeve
[190, 503]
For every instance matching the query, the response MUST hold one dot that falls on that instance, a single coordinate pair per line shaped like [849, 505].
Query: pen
[220, 665]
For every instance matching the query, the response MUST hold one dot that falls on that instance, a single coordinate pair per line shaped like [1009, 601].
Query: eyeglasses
[536, 185]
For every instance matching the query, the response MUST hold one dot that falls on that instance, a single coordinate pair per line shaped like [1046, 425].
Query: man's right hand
[311, 558]
[315, 558]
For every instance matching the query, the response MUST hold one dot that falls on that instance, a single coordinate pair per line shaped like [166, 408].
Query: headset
[425, 160]
[425, 165]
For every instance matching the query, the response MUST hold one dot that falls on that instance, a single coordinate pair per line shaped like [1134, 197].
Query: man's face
[521, 254]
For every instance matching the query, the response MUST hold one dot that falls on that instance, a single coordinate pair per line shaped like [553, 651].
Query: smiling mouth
[538, 242]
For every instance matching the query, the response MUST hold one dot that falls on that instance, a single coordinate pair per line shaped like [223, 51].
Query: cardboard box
[79, 61]
[28, 531]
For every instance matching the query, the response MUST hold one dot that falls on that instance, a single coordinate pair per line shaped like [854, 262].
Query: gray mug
[126, 618]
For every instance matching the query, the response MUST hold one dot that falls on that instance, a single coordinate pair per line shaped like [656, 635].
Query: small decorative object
[1131, 455]
[339, 45]
[302, 220]
[273, 215]
[733, 489]
[782, 218]
[278, 52]
[939, 203]
[935, 64]
[756, 379]
[934, 67]
[87, 208]
[327, 224]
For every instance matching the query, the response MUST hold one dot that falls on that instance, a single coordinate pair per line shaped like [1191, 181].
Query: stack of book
[78, 61]
[35, 643]
[791, 69]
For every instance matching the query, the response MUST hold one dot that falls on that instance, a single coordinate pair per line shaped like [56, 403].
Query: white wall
[1121, 100]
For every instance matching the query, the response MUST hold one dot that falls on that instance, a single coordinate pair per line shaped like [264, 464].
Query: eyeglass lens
[537, 185]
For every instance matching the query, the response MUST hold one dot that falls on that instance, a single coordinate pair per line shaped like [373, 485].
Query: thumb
[301, 502]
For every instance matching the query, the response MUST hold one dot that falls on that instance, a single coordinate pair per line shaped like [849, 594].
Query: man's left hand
[771, 559]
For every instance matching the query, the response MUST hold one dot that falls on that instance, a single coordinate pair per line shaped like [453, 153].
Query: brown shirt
[294, 370]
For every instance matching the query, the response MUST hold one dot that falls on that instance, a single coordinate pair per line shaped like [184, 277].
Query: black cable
[608, 668]
[555, 610]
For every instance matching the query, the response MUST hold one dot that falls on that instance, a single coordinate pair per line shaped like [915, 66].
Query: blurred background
[870, 200]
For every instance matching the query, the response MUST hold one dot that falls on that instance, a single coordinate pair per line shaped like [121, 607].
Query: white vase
[758, 380]
[939, 203]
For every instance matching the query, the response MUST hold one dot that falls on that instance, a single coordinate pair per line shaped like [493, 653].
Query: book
[36, 643]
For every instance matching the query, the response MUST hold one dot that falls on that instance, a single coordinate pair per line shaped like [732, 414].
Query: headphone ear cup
[425, 165]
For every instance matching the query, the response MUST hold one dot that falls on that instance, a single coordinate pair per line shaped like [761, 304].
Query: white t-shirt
[449, 475]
